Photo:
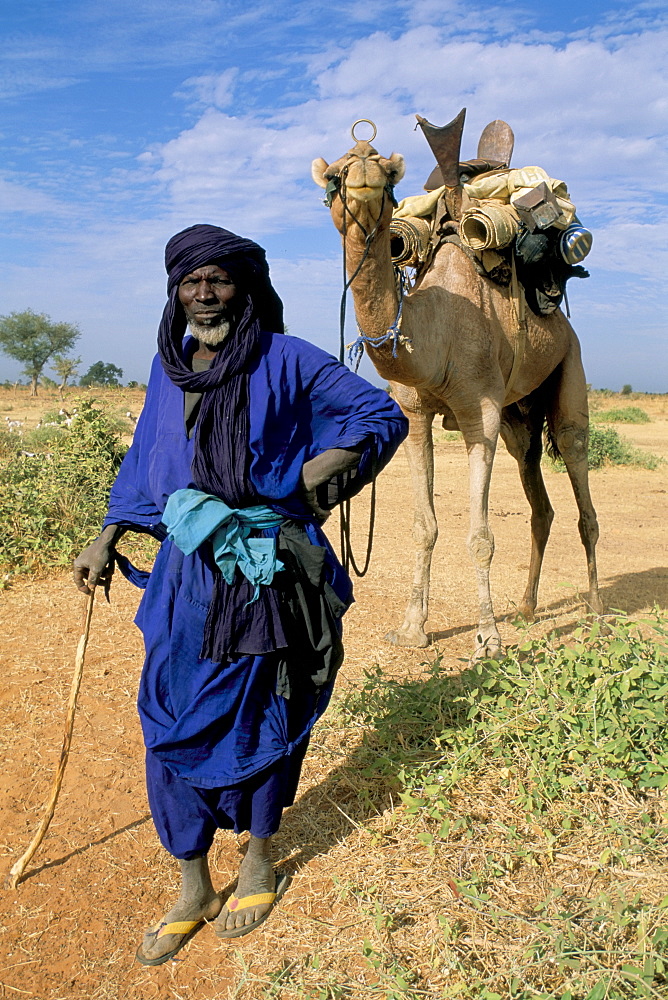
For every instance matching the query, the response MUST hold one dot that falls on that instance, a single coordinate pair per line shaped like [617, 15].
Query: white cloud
[215, 89]
[634, 248]
[22, 200]
[241, 170]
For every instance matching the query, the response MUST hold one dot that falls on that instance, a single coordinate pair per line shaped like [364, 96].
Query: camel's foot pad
[408, 638]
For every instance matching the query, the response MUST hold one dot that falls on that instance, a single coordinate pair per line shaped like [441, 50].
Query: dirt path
[70, 930]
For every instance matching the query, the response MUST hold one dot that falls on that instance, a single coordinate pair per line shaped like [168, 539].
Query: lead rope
[347, 555]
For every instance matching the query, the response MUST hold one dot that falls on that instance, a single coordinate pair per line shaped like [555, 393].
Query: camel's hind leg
[568, 423]
[522, 431]
[420, 453]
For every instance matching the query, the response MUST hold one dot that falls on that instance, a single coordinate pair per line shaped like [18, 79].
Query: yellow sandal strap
[234, 903]
[178, 927]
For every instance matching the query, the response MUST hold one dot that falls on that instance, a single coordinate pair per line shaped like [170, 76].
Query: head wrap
[221, 443]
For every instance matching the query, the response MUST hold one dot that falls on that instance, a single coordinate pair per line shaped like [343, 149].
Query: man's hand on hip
[324, 467]
[330, 463]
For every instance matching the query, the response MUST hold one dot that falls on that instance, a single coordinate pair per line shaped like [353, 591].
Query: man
[246, 439]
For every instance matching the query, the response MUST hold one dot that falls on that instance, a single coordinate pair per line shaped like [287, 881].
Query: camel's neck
[374, 287]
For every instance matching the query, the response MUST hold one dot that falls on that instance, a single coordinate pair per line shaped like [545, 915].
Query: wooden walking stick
[18, 869]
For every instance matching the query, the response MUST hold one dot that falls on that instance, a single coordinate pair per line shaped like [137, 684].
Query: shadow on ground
[407, 716]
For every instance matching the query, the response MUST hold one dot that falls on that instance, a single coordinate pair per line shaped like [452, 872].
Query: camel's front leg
[481, 435]
[420, 452]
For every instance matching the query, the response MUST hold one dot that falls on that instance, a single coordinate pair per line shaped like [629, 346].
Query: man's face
[205, 295]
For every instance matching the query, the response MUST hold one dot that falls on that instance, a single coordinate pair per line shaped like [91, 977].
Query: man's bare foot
[198, 902]
[156, 947]
[256, 877]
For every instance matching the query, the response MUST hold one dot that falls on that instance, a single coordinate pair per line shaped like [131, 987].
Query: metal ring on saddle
[368, 122]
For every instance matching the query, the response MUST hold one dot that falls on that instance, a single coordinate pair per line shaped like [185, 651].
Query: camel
[454, 357]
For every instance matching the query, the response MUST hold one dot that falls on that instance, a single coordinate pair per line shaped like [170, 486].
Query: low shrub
[622, 415]
[440, 435]
[41, 438]
[607, 447]
[528, 800]
[53, 417]
[9, 444]
[53, 502]
[560, 716]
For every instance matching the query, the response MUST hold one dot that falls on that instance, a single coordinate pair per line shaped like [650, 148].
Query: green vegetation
[443, 435]
[33, 339]
[509, 827]
[532, 805]
[622, 415]
[41, 438]
[560, 716]
[52, 503]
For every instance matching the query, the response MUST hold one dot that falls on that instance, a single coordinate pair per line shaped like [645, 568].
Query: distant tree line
[36, 342]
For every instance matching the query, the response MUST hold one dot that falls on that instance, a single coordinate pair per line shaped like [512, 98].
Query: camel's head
[362, 181]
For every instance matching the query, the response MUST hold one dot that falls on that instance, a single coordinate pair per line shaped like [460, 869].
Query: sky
[124, 121]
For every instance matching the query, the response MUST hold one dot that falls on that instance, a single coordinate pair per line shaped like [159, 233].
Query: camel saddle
[495, 150]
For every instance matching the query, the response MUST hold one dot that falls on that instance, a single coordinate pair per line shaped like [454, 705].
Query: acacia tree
[65, 368]
[32, 338]
[102, 374]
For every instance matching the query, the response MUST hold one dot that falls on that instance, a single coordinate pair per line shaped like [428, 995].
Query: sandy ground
[71, 928]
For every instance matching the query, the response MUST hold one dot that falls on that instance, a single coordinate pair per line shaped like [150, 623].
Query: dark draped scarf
[221, 443]
[221, 455]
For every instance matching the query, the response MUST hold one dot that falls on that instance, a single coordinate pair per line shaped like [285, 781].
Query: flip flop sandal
[187, 928]
[234, 903]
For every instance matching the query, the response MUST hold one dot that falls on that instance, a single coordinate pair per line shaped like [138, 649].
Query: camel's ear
[397, 167]
[318, 168]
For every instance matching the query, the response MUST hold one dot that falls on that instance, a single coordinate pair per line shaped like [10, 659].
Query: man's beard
[210, 335]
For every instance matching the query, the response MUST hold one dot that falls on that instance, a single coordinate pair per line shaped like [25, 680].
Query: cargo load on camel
[518, 226]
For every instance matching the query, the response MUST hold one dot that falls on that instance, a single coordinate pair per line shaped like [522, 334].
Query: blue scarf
[191, 517]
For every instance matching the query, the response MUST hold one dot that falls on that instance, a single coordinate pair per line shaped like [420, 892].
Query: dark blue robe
[216, 725]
